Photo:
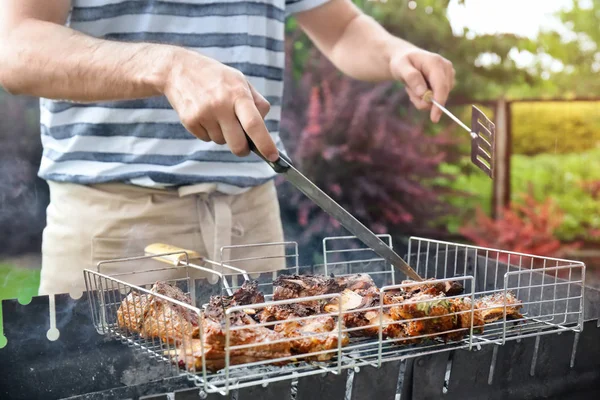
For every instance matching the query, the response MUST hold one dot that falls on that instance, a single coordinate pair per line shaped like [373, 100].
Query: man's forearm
[364, 50]
[44, 59]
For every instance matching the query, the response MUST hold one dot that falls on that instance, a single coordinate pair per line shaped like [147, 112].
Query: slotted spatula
[483, 136]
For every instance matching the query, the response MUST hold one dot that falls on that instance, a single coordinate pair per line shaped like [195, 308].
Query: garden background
[381, 159]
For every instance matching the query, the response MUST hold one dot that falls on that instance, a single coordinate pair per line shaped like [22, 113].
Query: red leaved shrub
[524, 227]
[350, 138]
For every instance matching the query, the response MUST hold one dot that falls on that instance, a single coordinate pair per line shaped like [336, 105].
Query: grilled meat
[153, 316]
[462, 308]
[314, 335]
[360, 283]
[448, 288]
[491, 308]
[189, 354]
[282, 312]
[130, 314]
[294, 286]
[426, 314]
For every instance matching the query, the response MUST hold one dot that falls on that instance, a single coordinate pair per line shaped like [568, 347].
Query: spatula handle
[428, 97]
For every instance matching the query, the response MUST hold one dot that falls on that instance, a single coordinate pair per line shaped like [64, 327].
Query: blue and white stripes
[142, 141]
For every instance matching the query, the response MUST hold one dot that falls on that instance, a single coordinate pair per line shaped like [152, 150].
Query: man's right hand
[41, 57]
[216, 103]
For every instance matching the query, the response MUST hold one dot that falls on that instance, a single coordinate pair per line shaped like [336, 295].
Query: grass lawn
[17, 283]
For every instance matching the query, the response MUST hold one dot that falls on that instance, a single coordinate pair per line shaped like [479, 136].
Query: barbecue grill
[552, 352]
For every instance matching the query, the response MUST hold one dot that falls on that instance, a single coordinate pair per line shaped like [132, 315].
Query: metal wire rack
[221, 357]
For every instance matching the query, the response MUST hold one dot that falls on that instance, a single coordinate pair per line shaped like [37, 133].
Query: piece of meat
[189, 354]
[294, 286]
[154, 317]
[360, 283]
[281, 312]
[491, 307]
[314, 335]
[462, 322]
[426, 315]
[248, 293]
[166, 320]
[130, 314]
[448, 288]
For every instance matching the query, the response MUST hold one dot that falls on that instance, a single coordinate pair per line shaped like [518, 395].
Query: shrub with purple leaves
[361, 144]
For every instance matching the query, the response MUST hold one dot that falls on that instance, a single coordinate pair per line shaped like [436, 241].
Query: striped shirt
[142, 142]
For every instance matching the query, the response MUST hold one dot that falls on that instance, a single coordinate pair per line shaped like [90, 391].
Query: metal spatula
[483, 136]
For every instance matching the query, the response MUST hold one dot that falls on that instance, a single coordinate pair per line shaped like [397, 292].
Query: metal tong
[284, 167]
[483, 136]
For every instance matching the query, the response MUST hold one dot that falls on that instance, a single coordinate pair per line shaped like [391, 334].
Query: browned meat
[281, 312]
[314, 335]
[294, 286]
[214, 334]
[426, 315]
[324, 326]
[130, 314]
[189, 354]
[448, 288]
[361, 283]
[152, 316]
[491, 307]
[462, 308]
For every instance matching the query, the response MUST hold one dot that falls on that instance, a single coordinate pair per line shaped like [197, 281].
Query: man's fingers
[418, 102]
[254, 125]
[196, 129]
[234, 135]
[412, 78]
[439, 73]
[214, 131]
[261, 103]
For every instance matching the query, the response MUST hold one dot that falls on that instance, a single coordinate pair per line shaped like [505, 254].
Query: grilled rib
[189, 354]
[491, 308]
[316, 334]
[152, 316]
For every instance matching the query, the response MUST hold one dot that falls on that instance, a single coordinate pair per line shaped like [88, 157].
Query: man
[129, 86]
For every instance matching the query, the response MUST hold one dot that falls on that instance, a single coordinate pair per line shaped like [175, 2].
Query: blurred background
[532, 66]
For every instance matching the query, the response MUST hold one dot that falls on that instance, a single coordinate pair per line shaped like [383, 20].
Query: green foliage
[555, 176]
[476, 189]
[555, 127]
[579, 54]
[559, 176]
[433, 32]
[18, 283]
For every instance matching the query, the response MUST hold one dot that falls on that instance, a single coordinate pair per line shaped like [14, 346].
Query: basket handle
[171, 254]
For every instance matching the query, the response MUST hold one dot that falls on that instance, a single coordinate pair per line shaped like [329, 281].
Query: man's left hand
[421, 70]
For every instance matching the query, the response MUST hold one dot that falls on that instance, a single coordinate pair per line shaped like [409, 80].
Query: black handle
[282, 164]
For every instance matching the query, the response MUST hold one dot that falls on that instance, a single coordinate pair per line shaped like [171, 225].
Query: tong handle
[428, 97]
[282, 164]
[161, 250]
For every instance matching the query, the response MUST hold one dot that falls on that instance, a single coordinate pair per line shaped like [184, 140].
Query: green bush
[555, 127]
[557, 176]
[476, 188]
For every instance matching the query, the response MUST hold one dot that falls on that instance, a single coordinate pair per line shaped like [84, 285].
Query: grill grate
[550, 290]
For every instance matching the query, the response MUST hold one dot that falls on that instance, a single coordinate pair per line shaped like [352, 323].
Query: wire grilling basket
[241, 332]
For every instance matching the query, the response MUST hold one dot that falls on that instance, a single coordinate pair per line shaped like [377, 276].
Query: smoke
[23, 202]
[23, 196]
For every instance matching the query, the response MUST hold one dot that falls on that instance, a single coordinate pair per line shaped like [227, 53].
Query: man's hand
[363, 49]
[41, 57]
[216, 101]
[421, 70]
